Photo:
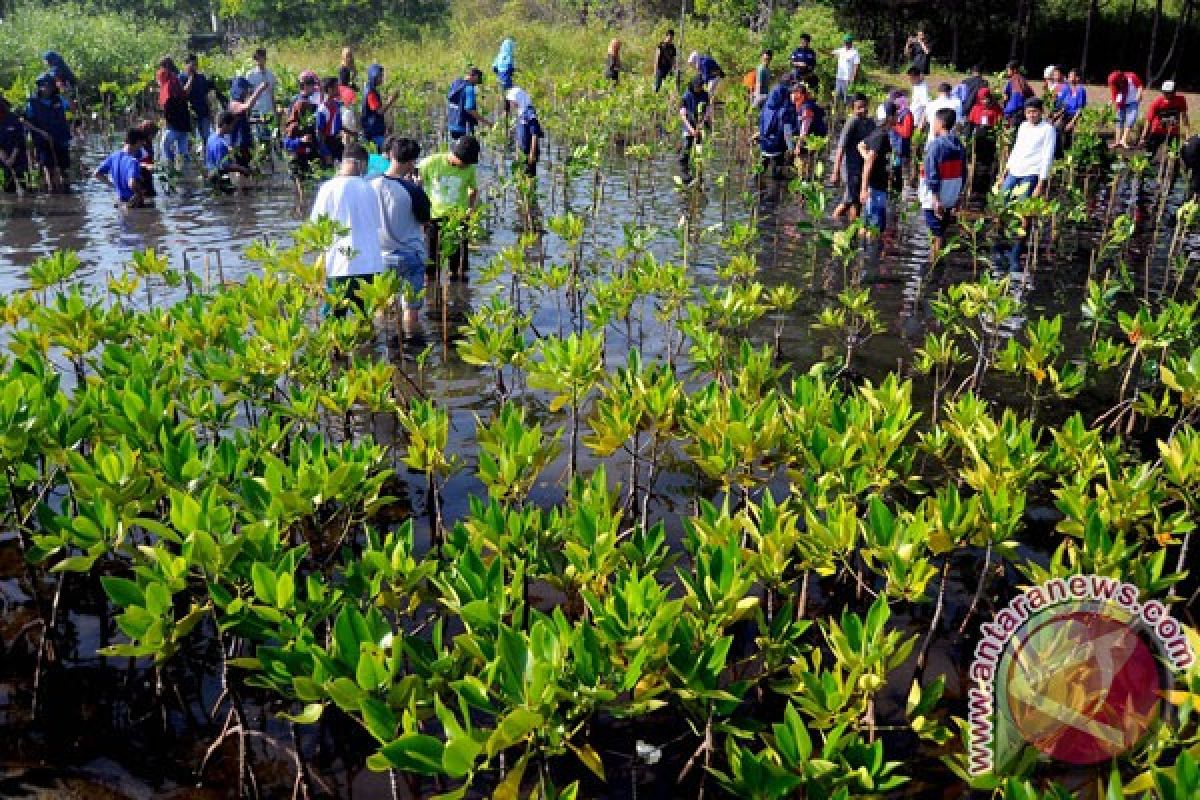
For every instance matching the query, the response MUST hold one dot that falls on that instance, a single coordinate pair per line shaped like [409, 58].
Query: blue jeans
[1015, 187]
[204, 129]
[877, 209]
[410, 268]
[174, 143]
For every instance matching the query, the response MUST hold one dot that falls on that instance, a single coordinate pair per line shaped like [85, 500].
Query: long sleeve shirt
[1033, 151]
[943, 171]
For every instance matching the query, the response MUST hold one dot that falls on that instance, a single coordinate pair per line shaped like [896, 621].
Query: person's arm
[854, 67]
[687, 123]
[102, 172]
[933, 176]
[869, 156]
[1047, 161]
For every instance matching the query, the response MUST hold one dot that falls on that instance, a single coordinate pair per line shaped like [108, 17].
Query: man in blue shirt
[529, 131]
[122, 171]
[218, 154]
[197, 86]
[804, 58]
[462, 112]
[695, 110]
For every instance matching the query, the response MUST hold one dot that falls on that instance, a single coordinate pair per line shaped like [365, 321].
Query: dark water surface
[99, 713]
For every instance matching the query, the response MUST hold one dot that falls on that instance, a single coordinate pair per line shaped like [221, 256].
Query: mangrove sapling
[569, 368]
[428, 430]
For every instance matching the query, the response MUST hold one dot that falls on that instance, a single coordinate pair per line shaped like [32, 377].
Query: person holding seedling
[777, 127]
[529, 134]
[695, 109]
[1166, 119]
[122, 171]
[1028, 168]
[223, 169]
[47, 114]
[707, 69]
[264, 102]
[241, 101]
[452, 184]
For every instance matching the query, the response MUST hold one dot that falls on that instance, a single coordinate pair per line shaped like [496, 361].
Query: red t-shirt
[1165, 114]
[1123, 84]
[373, 101]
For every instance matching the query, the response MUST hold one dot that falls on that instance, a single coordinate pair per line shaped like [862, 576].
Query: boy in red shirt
[1167, 116]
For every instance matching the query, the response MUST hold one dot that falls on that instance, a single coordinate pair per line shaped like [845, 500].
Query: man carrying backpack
[462, 110]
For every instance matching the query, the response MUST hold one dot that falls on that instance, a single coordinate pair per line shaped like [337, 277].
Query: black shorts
[853, 194]
[54, 154]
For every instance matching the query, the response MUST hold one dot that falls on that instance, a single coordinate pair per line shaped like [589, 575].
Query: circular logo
[1081, 685]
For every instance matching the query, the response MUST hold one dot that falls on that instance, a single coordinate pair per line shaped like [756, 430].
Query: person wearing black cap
[451, 182]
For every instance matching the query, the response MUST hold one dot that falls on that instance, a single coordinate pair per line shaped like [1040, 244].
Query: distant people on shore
[1125, 92]
[612, 62]
[664, 58]
[918, 50]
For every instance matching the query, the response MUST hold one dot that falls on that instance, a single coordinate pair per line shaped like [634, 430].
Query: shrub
[99, 46]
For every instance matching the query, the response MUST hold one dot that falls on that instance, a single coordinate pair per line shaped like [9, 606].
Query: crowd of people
[872, 155]
[395, 219]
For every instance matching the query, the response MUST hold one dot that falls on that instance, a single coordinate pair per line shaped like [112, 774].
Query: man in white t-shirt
[944, 99]
[1028, 168]
[848, 61]
[265, 105]
[918, 98]
[348, 198]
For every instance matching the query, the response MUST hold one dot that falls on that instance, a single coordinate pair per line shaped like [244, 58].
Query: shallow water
[210, 232]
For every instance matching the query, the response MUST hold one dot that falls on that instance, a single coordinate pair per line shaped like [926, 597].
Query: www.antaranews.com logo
[1076, 667]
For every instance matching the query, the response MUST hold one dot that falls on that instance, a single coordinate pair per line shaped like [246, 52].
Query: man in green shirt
[762, 80]
[450, 180]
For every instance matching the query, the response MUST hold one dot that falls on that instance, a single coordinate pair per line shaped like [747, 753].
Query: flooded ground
[104, 731]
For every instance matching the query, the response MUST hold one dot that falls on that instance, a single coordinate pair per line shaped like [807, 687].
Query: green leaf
[123, 592]
[75, 564]
[414, 752]
[310, 714]
[379, 719]
[512, 729]
[264, 582]
[590, 758]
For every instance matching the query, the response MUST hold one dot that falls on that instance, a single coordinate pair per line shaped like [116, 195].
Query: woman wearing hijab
[58, 69]
[374, 110]
[504, 66]
[776, 124]
[529, 131]
[47, 112]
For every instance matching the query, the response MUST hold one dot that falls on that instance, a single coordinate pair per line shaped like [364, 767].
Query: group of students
[45, 120]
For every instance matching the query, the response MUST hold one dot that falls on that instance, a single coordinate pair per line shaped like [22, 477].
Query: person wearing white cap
[1166, 120]
[529, 133]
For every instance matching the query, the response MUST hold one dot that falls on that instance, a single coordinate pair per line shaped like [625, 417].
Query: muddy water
[101, 743]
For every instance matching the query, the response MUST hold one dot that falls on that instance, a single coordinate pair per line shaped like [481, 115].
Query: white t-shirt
[352, 202]
[1033, 152]
[847, 60]
[918, 102]
[940, 102]
[265, 104]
